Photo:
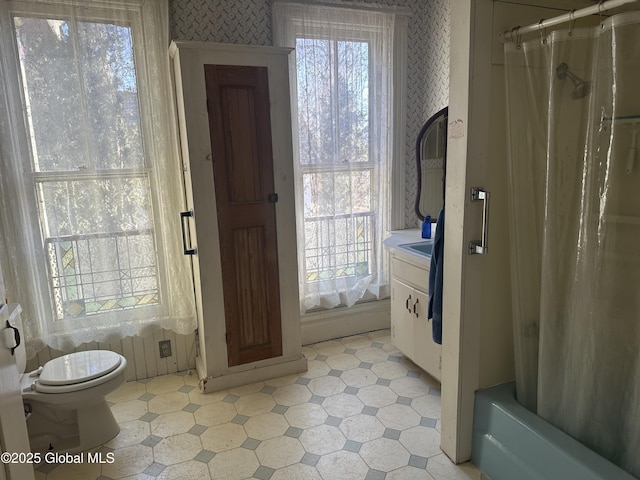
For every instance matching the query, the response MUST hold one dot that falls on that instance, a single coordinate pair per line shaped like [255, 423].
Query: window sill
[339, 322]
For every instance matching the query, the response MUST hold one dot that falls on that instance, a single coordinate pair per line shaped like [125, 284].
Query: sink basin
[421, 248]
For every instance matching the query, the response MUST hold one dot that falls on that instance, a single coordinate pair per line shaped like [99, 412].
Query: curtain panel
[573, 115]
[342, 78]
[90, 185]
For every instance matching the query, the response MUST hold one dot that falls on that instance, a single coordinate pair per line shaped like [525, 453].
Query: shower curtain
[573, 109]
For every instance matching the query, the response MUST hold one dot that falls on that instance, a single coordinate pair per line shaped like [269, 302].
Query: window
[88, 166]
[337, 170]
[92, 153]
[343, 121]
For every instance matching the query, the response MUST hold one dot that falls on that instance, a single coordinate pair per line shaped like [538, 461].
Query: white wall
[462, 286]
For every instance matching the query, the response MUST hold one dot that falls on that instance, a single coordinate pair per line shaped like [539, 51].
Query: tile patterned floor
[362, 411]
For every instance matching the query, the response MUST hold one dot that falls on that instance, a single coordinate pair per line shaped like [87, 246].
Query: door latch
[480, 247]
[186, 250]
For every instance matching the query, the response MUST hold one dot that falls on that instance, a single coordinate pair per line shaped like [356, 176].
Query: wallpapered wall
[249, 22]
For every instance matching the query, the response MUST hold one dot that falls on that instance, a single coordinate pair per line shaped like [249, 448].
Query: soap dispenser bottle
[426, 227]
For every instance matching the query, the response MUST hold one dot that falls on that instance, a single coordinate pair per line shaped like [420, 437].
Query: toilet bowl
[65, 399]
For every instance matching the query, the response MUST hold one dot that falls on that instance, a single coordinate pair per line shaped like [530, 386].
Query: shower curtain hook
[518, 38]
[572, 21]
[601, 11]
[543, 32]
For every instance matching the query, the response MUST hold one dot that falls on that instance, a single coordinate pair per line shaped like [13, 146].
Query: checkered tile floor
[362, 411]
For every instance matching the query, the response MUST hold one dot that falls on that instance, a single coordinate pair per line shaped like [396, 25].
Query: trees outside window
[80, 92]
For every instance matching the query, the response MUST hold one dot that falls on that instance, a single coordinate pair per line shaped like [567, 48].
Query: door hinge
[273, 197]
[227, 337]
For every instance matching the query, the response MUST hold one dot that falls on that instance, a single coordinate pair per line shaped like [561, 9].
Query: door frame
[477, 314]
[477, 349]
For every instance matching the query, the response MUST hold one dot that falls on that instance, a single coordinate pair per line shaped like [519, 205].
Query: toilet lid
[78, 367]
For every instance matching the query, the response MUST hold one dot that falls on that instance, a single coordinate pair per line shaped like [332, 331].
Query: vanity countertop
[402, 237]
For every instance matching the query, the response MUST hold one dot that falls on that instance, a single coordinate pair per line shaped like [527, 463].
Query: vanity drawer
[417, 277]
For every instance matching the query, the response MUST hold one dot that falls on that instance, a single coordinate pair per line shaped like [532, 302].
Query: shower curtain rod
[603, 6]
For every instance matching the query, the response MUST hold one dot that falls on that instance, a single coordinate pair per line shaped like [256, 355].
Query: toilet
[65, 401]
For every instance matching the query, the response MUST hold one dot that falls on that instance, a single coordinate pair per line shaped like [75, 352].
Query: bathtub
[510, 442]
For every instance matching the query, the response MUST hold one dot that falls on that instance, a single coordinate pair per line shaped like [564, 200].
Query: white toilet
[65, 398]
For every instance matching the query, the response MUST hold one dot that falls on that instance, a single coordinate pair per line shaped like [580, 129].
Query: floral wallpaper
[249, 22]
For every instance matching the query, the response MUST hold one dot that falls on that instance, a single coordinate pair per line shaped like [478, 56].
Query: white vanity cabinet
[410, 327]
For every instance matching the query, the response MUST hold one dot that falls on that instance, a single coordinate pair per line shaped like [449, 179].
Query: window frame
[372, 165]
[374, 36]
[398, 52]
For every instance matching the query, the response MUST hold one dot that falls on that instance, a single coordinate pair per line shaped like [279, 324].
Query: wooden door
[240, 131]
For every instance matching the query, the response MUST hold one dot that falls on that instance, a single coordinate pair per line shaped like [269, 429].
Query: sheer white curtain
[90, 185]
[574, 116]
[342, 78]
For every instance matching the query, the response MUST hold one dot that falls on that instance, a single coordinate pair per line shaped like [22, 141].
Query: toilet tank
[10, 316]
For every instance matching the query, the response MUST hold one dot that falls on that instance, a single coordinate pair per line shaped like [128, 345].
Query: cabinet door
[427, 352]
[240, 128]
[402, 300]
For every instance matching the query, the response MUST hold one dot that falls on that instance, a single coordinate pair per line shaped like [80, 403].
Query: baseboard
[316, 327]
[343, 322]
[237, 378]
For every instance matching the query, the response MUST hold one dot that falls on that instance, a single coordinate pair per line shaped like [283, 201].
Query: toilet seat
[78, 367]
[78, 371]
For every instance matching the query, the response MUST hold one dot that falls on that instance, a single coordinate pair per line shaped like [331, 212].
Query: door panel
[240, 131]
[243, 175]
[251, 289]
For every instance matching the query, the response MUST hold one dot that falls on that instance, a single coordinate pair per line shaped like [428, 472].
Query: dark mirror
[431, 154]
